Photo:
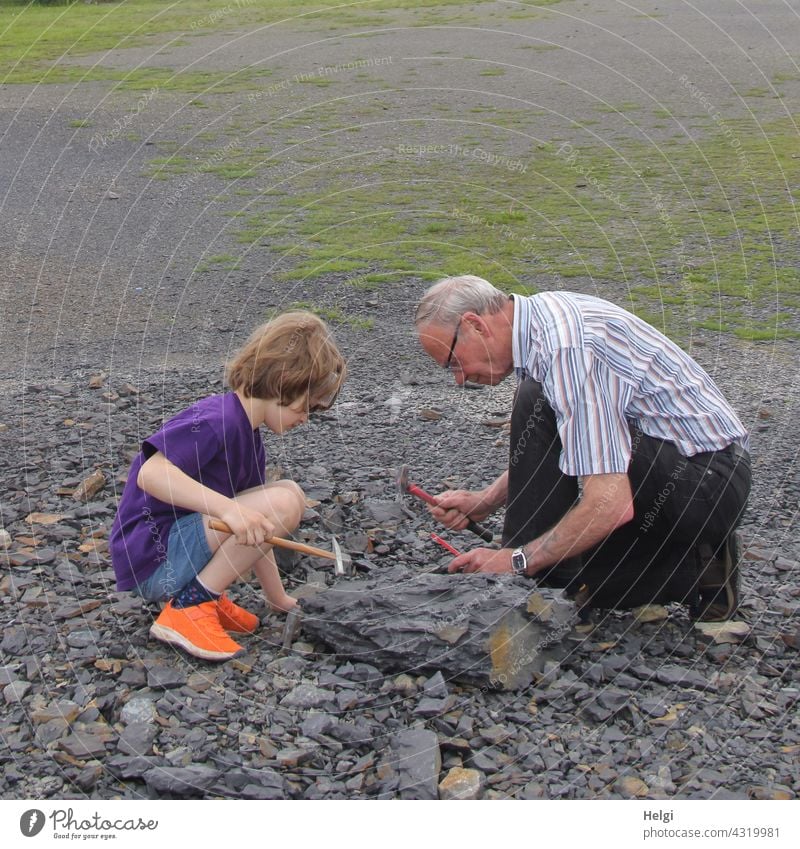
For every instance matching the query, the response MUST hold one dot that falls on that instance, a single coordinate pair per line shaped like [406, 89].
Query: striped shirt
[603, 369]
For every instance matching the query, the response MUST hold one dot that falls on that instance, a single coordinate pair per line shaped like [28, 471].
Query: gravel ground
[101, 339]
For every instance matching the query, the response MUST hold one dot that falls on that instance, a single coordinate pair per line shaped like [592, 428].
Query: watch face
[518, 562]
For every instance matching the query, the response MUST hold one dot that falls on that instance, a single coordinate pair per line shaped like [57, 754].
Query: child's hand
[248, 526]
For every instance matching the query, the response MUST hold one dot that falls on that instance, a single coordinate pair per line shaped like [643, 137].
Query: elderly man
[628, 471]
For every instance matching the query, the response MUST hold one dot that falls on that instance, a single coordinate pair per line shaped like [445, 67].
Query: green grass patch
[683, 229]
[218, 262]
[334, 315]
[621, 107]
[35, 38]
[80, 123]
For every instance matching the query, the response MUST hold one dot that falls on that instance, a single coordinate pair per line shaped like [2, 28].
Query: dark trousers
[681, 506]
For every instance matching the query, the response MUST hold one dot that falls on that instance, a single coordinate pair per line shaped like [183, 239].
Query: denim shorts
[187, 554]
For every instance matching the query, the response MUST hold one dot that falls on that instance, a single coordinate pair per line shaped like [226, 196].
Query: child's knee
[296, 501]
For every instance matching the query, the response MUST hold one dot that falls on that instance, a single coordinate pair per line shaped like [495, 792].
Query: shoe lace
[207, 619]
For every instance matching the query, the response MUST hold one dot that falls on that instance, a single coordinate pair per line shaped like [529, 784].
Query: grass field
[699, 233]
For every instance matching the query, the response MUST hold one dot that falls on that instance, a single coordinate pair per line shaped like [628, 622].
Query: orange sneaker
[235, 618]
[196, 630]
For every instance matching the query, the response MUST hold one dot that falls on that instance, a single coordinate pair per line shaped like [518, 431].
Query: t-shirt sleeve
[189, 441]
[589, 400]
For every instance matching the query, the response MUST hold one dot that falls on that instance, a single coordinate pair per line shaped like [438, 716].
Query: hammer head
[291, 628]
[343, 567]
[402, 481]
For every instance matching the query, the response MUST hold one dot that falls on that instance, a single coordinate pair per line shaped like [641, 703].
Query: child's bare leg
[283, 504]
[266, 570]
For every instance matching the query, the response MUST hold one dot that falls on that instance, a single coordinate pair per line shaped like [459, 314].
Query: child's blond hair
[292, 356]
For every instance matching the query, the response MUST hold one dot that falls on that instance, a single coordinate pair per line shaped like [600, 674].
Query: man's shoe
[718, 583]
[235, 618]
[196, 630]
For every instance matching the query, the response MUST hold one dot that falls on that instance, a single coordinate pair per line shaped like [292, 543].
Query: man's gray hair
[448, 299]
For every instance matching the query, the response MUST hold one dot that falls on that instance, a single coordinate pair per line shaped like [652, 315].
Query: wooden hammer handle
[216, 525]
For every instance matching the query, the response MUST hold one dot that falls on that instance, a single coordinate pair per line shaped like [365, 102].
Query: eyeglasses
[449, 359]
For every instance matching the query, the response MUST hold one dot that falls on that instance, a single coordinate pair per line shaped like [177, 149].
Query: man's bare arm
[606, 504]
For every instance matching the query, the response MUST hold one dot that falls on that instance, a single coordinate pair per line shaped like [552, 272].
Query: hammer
[404, 486]
[343, 565]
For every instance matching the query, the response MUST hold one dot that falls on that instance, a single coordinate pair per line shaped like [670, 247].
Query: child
[209, 461]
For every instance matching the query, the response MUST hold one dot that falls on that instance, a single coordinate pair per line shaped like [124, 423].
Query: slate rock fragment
[461, 784]
[181, 781]
[394, 621]
[416, 761]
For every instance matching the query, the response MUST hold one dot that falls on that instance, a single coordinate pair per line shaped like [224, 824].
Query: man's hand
[248, 526]
[488, 560]
[455, 507]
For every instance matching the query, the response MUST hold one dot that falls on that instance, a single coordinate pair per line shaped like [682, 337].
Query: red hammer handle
[444, 544]
[472, 525]
[420, 493]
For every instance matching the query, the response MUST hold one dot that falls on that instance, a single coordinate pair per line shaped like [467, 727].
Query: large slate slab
[489, 630]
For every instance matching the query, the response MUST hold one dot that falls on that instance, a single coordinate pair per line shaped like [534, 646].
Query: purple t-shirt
[212, 442]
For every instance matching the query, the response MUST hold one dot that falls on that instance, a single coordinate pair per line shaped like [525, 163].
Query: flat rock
[165, 677]
[632, 787]
[181, 781]
[460, 783]
[137, 739]
[433, 707]
[306, 696]
[265, 784]
[8, 674]
[129, 768]
[73, 609]
[724, 632]
[384, 512]
[650, 613]
[682, 677]
[84, 745]
[82, 639]
[15, 641]
[435, 687]
[65, 710]
[416, 760]
[15, 692]
[138, 711]
[395, 621]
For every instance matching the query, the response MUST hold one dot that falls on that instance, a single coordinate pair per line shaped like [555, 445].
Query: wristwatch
[519, 562]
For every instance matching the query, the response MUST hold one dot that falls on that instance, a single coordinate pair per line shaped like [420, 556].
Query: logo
[31, 822]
